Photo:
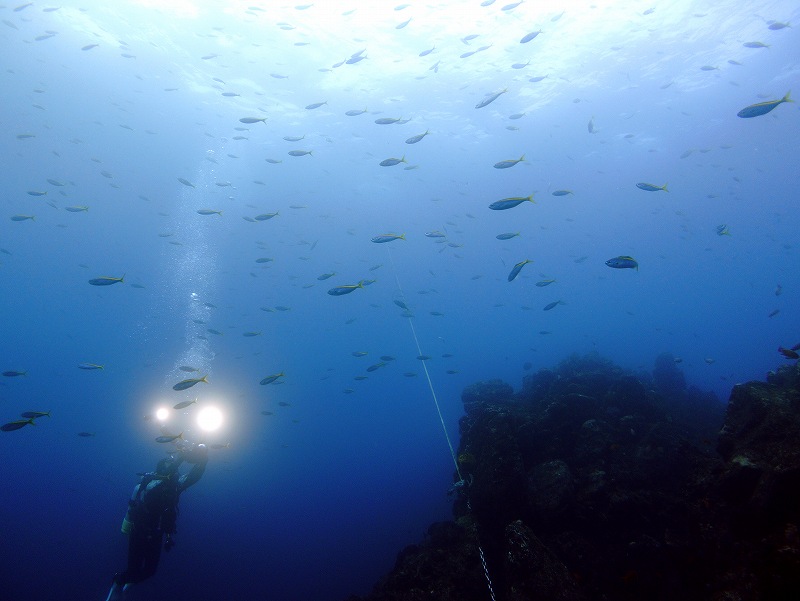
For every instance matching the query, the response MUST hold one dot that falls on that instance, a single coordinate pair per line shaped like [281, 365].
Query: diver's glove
[197, 454]
[169, 543]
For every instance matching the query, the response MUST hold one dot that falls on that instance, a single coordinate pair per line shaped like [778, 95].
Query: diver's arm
[199, 457]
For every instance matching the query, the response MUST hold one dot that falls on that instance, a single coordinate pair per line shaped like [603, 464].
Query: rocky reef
[595, 483]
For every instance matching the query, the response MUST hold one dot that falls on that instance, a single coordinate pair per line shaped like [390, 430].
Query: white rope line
[425, 368]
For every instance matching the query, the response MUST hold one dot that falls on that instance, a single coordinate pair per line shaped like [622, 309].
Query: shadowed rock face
[593, 483]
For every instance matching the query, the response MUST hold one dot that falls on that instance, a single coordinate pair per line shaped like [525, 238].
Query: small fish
[253, 120]
[188, 383]
[106, 280]
[527, 38]
[346, 289]
[391, 162]
[267, 413]
[266, 216]
[300, 153]
[401, 304]
[89, 366]
[543, 283]
[325, 276]
[562, 192]
[517, 268]
[76, 209]
[507, 236]
[86, 434]
[388, 238]
[490, 98]
[294, 138]
[37, 192]
[21, 217]
[623, 262]
[217, 446]
[16, 425]
[89, 46]
[427, 52]
[788, 353]
[376, 366]
[264, 260]
[590, 126]
[387, 358]
[271, 379]
[762, 108]
[435, 234]
[755, 45]
[184, 404]
[251, 334]
[651, 187]
[166, 438]
[777, 25]
[35, 414]
[186, 182]
[722, 230]
[315, 105]
[209, 212]
[424, 357]
[13, 373]
[552, 305]
[509, 163]
[708, 68]
[388, 120]
[359, 353]
[510, 203]
[356, 112]
[417, 138]
[213, 331]
[188, 368]
[778, 290]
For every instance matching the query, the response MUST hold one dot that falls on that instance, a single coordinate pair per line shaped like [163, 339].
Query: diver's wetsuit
[153, 511]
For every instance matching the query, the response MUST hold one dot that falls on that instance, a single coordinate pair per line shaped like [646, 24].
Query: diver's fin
[115, 594]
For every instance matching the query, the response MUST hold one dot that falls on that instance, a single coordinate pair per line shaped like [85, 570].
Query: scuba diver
[152, 512]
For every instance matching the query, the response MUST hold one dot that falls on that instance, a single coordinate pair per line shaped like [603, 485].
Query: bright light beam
[209, 419]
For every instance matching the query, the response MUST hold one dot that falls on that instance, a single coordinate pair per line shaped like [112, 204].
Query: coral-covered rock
[595, 483]
[532, 569]
[479, 396]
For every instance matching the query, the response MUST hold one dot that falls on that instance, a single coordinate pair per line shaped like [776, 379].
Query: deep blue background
[315, 501]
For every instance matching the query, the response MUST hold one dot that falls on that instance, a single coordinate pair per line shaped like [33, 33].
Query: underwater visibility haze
[338, 213]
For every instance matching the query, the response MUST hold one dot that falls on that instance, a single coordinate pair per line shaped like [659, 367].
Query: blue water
[314, 501]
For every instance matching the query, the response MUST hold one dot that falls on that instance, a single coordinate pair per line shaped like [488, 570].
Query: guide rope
[425, 368]
[462, 482]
